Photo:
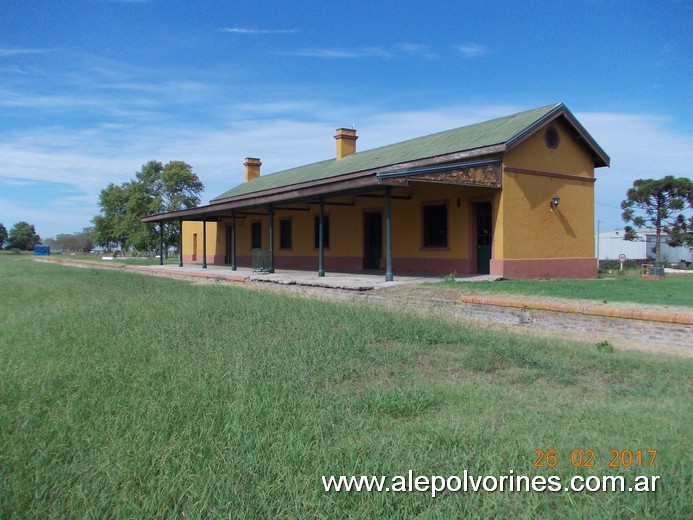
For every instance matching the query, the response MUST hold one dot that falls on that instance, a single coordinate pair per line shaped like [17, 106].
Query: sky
[91, 90]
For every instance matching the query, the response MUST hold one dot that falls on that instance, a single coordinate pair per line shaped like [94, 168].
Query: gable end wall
[531, 241]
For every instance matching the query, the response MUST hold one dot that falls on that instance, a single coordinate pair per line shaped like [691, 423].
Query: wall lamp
[554, 202]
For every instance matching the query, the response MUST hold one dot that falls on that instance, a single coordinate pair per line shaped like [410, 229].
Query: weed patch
[129, 396]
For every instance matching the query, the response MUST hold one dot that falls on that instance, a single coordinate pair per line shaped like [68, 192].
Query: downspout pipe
[388, 236]
[321, 248]
[161, 243]
[180, 243]
[204, 244]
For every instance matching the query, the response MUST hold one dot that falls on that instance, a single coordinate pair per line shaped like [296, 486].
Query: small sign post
[622, 258]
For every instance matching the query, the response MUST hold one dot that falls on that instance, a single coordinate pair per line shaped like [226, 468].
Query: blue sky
[90, 90]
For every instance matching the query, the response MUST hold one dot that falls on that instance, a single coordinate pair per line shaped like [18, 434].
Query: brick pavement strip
[628, 326]
[582, 308]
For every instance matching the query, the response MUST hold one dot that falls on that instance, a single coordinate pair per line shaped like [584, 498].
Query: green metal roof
[480, 135]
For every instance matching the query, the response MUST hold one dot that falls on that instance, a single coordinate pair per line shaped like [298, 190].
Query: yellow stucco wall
[192, 234]
[526, 227]
[347, 226]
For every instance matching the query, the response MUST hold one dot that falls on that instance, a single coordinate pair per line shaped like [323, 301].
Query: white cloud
[279, 132]
[365, 52]
[417, 49]
[640, 146]
[10, 181]
[243, 30]
[49, 220]
[472, 50]
[18, 51]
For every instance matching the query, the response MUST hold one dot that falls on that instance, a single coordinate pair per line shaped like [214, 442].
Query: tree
[156, 188]
[181, 190]
[3, 235]
[109, 227]
[141, 200]
[23, 236]
[181, 187]
[662, 204]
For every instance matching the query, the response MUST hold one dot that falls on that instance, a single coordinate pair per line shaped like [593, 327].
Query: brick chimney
[346, 142]
[252, 168]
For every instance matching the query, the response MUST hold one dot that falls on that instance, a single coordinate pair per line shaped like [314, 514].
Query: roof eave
[293, 194]
[426, 161]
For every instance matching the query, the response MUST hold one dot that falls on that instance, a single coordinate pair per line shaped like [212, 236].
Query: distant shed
[41, 250]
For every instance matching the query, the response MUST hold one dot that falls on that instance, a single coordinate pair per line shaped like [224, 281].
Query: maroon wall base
[527, 268]
[524, 268]
[440, 266]
[211, 259]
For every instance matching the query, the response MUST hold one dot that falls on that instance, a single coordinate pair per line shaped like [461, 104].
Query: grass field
[128, 396]
[673, 290]
[172, 259]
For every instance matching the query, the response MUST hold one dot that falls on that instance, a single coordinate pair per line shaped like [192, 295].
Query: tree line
[80, 242]
[23, 236]
[156, 188]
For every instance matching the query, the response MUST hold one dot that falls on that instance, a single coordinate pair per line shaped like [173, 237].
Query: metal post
[388, 236]
[180, 243]
[233, 240]
[321, 251]
[161, 243]
[271, 239]
[598, 226]
[204, 244]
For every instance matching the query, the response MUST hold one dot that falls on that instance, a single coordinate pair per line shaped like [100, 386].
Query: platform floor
[357, 281]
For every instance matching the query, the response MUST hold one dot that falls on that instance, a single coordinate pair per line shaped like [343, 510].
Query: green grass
[172, 259]
[674, 290]
[128, 396]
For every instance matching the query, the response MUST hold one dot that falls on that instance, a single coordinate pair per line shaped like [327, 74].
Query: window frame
[428, 241]
[282, 235]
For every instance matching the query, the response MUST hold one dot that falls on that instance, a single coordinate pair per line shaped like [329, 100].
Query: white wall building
[611, 244]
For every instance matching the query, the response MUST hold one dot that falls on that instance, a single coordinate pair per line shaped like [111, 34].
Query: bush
[450, 277]
[605, 265]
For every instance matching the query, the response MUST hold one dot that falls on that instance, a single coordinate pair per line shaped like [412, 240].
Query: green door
[256, 235]
[372, 239]
[484, 238]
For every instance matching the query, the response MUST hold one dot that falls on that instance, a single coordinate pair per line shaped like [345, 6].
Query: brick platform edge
[581, 308]
[621, 326]
[641, 334]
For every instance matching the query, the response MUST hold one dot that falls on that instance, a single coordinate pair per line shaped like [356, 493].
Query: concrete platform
[332, 280]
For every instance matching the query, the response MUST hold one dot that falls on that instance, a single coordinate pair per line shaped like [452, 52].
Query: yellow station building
[512, 197]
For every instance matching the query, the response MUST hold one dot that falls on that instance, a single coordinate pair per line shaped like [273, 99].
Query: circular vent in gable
[552, 138]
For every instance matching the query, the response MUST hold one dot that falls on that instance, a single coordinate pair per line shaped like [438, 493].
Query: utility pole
[598, 226]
